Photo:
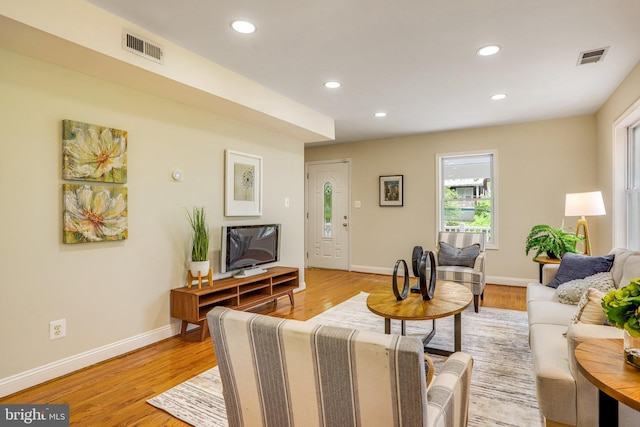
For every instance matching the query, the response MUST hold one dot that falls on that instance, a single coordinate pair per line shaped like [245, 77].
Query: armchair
[278, 372]
[471, 275]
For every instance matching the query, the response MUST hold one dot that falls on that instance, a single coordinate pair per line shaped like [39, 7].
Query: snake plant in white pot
[199, 243]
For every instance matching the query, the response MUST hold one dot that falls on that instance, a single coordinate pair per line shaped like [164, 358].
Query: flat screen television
[247, 247]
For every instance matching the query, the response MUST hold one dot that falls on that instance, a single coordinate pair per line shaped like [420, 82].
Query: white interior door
[328, 215]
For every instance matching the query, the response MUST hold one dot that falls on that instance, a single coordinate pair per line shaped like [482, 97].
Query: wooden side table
[542, 260]
[449, 300]
[602, 362]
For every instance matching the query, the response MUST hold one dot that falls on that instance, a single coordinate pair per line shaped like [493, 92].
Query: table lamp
[584, 204]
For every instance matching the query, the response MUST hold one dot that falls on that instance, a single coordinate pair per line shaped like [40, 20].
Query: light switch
[357, 204]
[286, 202]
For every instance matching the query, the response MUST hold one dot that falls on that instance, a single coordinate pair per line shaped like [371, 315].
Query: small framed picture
[391, 190]
[243, 184]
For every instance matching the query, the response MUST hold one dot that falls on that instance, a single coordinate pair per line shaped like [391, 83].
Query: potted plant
[199, 243]
[554, 241]
[622, 308]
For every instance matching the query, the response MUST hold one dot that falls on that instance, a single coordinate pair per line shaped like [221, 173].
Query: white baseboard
[496, 280]
[509, 281]
[70, 364]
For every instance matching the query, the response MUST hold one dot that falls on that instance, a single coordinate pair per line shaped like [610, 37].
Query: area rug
[502, 385]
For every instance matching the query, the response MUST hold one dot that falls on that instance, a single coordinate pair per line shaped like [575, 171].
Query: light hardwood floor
[114, 393]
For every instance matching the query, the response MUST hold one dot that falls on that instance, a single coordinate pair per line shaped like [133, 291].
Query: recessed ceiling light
[332, 84]
[498, 96]
[380, 114]
[244, 27]
[489, 50]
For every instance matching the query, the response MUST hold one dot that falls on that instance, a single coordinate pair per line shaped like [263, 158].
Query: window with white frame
[467, 193]
[632, 189]
[626, 179]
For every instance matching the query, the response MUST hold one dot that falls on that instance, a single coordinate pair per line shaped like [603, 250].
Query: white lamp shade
[584, 204]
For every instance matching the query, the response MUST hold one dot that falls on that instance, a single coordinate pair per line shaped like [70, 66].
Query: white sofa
[565, 397]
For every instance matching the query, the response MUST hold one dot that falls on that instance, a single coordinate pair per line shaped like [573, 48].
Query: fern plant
[200, 237]
[554, 241]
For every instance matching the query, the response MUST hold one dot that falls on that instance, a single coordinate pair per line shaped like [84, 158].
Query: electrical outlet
[57, 329]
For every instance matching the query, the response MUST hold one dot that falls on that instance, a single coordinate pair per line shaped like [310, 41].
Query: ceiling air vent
[592, 56]
[142, 47]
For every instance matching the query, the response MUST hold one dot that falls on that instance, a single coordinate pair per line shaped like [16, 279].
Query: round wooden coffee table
[602, 362]
[449, 300]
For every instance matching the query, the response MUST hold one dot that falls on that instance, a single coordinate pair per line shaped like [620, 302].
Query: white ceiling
[414, 59]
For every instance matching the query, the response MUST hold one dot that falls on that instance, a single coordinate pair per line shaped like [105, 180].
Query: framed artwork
[391, 190]
[243, 184]
[94, 213]
[93, 153]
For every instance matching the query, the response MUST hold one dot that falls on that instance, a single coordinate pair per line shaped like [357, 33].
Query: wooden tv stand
[191, 305]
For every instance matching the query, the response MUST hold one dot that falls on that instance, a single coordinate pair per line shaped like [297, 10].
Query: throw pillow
[450, 255]
[590, 308]
[572, 291]
[631, 269]
[621, 256]
[574, 266]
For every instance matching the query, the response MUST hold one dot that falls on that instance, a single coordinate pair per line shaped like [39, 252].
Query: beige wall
[538, 163]
[113, 292]
[627, 93]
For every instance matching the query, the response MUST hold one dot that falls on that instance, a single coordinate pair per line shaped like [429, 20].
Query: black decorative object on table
[427, 291]
[419, 263]
[405, 288]
[415, 260]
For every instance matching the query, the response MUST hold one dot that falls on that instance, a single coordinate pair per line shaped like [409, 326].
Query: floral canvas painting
[93, 153]
[94, 213]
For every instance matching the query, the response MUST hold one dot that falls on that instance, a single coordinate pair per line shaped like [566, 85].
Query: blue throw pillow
[574, 266]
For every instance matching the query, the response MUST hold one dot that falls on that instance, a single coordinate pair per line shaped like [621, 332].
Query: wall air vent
[592, 56]
[142, 47]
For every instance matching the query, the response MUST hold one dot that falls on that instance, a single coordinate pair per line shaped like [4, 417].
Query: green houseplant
[199, 241]
[622, 308]
[554, 241]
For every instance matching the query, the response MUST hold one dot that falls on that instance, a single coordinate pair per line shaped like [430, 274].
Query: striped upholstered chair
[470, 275]
[278, 372]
